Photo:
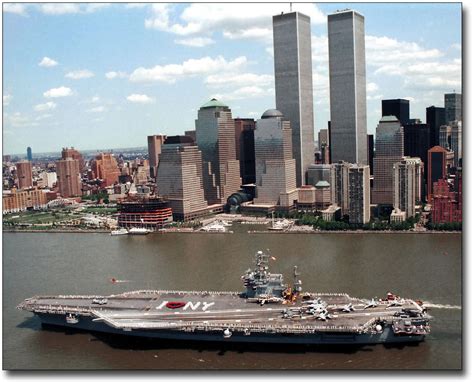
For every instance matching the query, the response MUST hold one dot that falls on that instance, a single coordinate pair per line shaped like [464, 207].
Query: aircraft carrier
[268, 311]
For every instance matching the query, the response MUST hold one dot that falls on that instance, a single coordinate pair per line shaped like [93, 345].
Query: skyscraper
[179, 177]
[435, 118]
[245, 148]
[215, 137]
[275, 168]
[154, 151]
[69, 177]
[294, 84]
[453, 107]
[416, 141]
[399, 108]
[29, 154]
[388, 151]
[436, 167]
[347, 87]
[25, 174]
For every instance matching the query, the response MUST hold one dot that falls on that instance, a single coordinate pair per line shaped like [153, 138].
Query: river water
[421, 266]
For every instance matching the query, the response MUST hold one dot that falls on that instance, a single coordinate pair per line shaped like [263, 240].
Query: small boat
[121, 231]
[138, 231]
[279, 225]
[214, 227]
[71, 319]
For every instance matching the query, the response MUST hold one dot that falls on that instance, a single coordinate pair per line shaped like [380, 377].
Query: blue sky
[106, 76]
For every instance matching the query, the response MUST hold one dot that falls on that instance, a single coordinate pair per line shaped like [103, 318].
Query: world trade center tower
[294, 84]
[346, 37]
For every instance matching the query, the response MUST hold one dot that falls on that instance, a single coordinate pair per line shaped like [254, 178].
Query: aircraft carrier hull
[385, 337]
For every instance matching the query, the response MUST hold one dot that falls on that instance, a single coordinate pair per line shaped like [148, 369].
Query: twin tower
[294, 85]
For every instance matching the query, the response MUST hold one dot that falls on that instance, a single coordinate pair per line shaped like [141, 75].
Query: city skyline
[85, 93]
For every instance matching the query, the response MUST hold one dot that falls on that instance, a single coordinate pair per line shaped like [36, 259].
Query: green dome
[322, 183]
[213, 103]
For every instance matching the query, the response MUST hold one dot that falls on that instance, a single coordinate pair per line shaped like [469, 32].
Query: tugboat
[267, 311]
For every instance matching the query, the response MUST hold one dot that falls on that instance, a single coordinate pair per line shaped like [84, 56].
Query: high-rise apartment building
[105, 167]
[245, 148]
[388, 151]
[24, 174]
[275, 168]
[437, 157]
[215, 137]
[399, 108]
[404, 187]
[435, 118]
[294, 84]
[347, 82]
[29, 154]
[69, 177]
[179, 177]
[359, 194]
[74, 154]
[350, 189]
[154, 150]
[453, 107]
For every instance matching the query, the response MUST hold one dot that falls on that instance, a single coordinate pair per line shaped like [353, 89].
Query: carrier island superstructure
[268, 311]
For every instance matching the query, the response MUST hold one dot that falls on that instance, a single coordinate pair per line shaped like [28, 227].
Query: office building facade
[347, 82]
[404, 187]
[74, 154]
[275, 168]
[437, 158]
[154, 150]
[294, 84]
[179, 178]
[105, 167]
[435, 118]
[245, 148]
[215, 137]
[29, 154]
[453, 107]
[389, 148]
[399, 108]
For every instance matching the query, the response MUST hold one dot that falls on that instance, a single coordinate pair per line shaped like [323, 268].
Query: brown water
[426, 267]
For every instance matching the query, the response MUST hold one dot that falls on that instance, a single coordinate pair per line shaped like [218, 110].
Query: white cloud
[195, 42]
[98, 109]
[95, 99]
[60, 9]
[140, 98]
[45, 106]
[234, 21]
[18, 120]
[79, 74]
[172, 72]
[58, 92]
[6, 99]
[71, 8]
[43, 116]
[372, 87]
[112, 75]
[245, 92]
[232, 79]
[47, 62]
[17, 8]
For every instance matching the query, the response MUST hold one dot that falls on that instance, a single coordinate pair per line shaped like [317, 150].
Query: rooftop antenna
[291, 7]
